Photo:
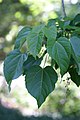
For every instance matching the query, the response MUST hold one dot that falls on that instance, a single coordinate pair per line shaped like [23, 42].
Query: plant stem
[63, 8]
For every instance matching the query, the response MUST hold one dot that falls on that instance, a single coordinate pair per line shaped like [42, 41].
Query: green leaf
[21, 37]
[68, 27]
[77, 31]
[34, 40]
[60, 23]
[50, 32]
[13, 65]
[60, 51]
[76, 20]
[38, 29]
[51, 22]
[31, 61]
[75, 42]
[78, 68]
[40, 82]
[74, 76]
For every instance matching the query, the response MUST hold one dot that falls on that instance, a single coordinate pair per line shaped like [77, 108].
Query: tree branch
[63, 8]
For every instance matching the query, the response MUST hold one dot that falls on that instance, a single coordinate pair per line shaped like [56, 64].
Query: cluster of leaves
[61, 38]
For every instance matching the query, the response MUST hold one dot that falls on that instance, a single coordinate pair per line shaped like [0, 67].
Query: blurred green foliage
[14, 14]
[64, 100]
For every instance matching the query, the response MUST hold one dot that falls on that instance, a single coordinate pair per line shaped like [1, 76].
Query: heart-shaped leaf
[60, 51]
[40, 82]
[13, 65]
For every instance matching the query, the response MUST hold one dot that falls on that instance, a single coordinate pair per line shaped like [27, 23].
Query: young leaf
[21, 37]
[60, 51]
[13, 65]
[34, 40]
[74, 76]
[40, 82]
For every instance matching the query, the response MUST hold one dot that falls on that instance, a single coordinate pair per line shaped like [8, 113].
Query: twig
[63, 8]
